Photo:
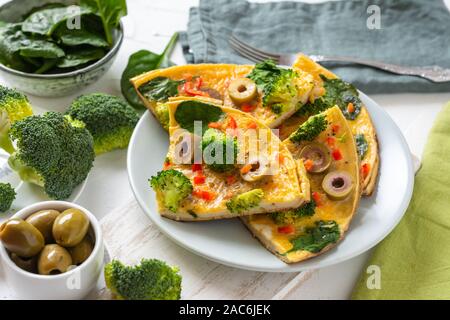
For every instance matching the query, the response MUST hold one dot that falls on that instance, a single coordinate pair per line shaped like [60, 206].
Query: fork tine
[248, 53]
[267, 55]
[245, 53]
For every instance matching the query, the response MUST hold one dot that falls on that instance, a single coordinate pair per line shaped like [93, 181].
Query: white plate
[228, 241]
[27, 193]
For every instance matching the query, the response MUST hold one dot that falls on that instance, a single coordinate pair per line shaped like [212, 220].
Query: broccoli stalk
[245, 201]
[7, 196]
[109, 119]
[152, 279]
[172, 186]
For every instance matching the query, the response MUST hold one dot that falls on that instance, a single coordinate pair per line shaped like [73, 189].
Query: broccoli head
[279, 85]
[310, 129]
[245, 201]
[214, 143]
[172, 186]
[291, 216]
[53, 152]
[7, 196]
[109, 119]
[13, 106]
[152, 279]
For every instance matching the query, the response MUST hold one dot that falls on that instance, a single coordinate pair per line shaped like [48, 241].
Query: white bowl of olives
[51, 250]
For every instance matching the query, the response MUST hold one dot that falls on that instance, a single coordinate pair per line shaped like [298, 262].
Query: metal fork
[433, 73]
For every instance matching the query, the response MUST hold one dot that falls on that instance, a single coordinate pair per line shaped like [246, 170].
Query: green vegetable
[173, 186]
[219, 150]
[7, 196]
[140, 62]
[109, 119]
[278, 85]
[152, 279]
[14, 106]
[81, 57]
[78, 37]
[160, 89]
[189, 111]
[40, 49]
[52, 152]
[361, 145]
[162, 114]
[337, 92]
[45, 21]
[310, 129]
[318, 237]
[245, 201]
[109, 11]
[291, 216]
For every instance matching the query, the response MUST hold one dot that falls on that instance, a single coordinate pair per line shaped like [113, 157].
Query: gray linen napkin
[413, 33]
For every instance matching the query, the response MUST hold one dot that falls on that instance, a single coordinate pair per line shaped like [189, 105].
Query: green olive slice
[21, 238]
[53, 259]
[318, 154]
[242, 90]
[337, 184]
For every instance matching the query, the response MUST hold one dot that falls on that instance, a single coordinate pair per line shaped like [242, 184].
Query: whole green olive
[70, 227]
[27, 264]
[21, 238]
[81, 251]
[43, 220]
[53, 259]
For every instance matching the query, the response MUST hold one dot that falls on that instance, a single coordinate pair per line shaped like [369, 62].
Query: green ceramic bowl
[54, 85]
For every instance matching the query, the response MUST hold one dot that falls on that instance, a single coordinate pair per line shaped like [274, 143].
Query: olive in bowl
[65, 264]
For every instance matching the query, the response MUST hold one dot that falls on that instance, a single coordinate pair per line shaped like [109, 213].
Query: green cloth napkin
[414, 259]
[413, 33]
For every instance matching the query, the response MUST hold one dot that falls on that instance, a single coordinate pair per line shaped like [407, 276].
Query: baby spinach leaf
[160, 89]
[76, 37]
[317, 237]
[80, 57]
[140, 62]
[44, 22]
[40, 49]
[361, 145]
[189, 111]
[46, 66]
[110, 11]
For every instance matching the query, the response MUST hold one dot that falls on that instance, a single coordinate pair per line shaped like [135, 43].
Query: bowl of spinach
[50, 48]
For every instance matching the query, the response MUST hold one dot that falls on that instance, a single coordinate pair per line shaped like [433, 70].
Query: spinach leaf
[76, 37]
[110, 12]
[40, 49]
[317, 237]
[337, 92]
[189, 111]
[361, 145]
[18, 50]
[140, 62]
[46, 66]
[160, 89]
[80, 57]
[44, 22]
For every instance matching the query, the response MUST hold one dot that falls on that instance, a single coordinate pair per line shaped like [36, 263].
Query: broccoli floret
[310, 129]
[151, 280]
[173, 186]
[109, 119]
[13, 106]
[279, 85]
[162, 114]
[53, 152]
[215, 141]
[291, 216]
[245, 201]
[7, 196]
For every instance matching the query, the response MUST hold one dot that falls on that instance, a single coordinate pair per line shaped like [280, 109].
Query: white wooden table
[129, 234]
